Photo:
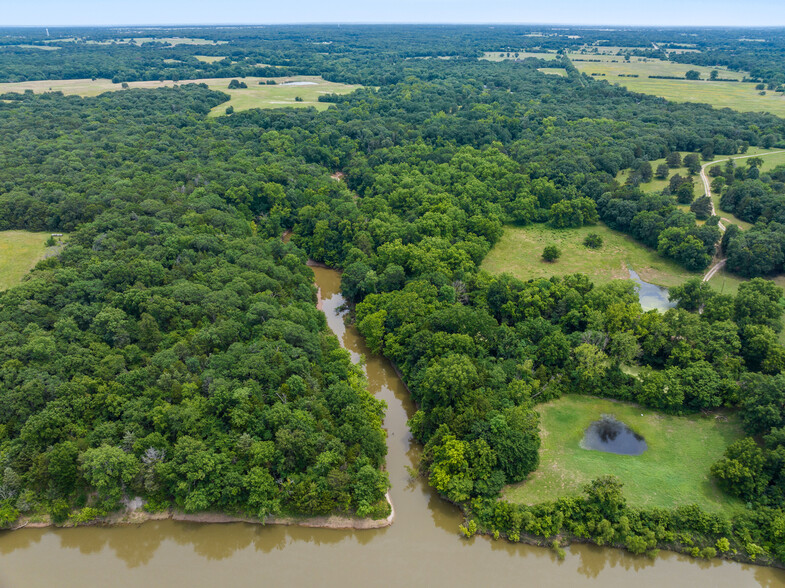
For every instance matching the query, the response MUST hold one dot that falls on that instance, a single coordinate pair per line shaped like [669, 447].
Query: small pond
[612, 436]
[651, 296]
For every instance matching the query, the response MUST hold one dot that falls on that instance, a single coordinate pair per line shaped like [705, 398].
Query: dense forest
[174, 351]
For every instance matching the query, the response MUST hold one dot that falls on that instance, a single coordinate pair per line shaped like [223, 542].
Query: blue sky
[596, 12]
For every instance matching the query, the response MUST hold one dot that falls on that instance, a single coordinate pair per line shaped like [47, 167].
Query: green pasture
[736, 95]
[19, 252]
[673, 471]
[210, 58]
[654, 67]
[279, 95]
[519, 252]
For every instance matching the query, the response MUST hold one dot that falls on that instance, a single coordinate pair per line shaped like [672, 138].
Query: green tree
[593, 241]
[551, 253]
[109, 470]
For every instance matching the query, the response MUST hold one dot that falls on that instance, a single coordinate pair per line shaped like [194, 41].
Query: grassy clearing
[553, 71]
[19, 252]
[658, 185]
[210, 58]
[279, 95]
[255, 96]
[673, 471]
[519, 252]
[738, 96]
[41, 47]
[502, 56]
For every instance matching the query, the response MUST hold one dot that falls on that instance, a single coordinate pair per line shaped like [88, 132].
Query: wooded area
[174, 351]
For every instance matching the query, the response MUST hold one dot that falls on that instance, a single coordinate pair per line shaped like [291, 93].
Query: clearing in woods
[19, 252]
[282, 94]
[673, 471]
[519, 252]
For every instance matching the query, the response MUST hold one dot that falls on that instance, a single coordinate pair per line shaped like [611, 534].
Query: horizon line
[390, 23]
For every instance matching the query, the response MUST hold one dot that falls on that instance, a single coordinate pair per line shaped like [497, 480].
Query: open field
[501, 56]
[210, 58]
[255, 96]
[553, 71]
[519, 252]
[19, 252]
[736, 95]
[654, 67]
[673, 471]
[280, 95]
[42, 47]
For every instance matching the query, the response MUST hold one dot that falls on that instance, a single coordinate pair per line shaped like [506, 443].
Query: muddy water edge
[422, 547]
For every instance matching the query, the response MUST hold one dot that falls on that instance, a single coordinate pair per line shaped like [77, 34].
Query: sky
[589, 12]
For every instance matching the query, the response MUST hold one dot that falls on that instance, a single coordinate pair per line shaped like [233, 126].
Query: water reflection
[612, 436]
[421, 548]
[651, 296]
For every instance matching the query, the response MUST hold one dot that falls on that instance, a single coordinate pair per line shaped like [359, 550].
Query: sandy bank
[136, 516]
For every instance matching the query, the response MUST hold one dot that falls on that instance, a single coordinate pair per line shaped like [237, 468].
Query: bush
[593, 240]
[8, 514]
[59, 510]
[551, 253]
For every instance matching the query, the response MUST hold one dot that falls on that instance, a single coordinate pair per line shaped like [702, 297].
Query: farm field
[19, 252]
[519, 252]
[255, 96]
[674, 470]
[651, 67]
[736, 95]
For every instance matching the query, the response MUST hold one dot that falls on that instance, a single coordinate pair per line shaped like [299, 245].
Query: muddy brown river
[421, 548]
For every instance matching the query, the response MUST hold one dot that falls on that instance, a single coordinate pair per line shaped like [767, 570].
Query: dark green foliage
[551, 253]
[173, 349]
[701, 207]
[593, 241]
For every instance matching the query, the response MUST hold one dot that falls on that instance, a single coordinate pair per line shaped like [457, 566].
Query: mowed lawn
[19, 252]
[673, 471]
[280, 95]
[519, 252]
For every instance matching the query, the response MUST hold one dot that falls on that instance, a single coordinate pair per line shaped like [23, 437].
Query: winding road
[720, 263]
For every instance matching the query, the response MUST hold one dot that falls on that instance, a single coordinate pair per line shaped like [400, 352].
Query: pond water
[421, 548]
[652, 297]
[299, 84]
[612, 436]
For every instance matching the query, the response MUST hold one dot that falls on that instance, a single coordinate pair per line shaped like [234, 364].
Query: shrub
[593, 240]
[551, 253]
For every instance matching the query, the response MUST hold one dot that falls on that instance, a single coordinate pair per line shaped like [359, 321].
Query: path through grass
[674, 470]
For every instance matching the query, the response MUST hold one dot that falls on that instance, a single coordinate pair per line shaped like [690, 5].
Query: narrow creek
[422, 547]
